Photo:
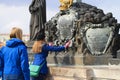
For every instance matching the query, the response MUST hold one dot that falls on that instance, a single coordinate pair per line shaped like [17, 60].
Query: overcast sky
[16, 13]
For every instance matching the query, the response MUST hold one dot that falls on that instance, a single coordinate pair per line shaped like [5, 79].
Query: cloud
[107, 6]
[14, 16]
[17, 16]
[51, 13]
[15, 2]
[114, 10]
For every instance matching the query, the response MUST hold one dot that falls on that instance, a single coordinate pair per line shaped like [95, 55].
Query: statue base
[79, 59]
[71, 58]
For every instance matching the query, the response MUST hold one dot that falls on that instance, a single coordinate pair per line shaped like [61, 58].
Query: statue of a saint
[38, 17]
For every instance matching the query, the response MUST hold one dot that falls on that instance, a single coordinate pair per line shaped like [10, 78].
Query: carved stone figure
[90, 30]
[38, 17]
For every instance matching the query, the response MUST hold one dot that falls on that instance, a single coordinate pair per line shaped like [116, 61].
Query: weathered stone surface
[68, 72]
[64, 78]
[110, 72]
[97, 60]
[90, 29]
[79, 59]
[114, 61]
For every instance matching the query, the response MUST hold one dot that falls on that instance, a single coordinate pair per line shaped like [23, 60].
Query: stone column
[74, 1]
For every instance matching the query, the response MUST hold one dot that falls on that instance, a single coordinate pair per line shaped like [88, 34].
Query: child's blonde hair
[40, 40]
[16, 33]
[37, 46]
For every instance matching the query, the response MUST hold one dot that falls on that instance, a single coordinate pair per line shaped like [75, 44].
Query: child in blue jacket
[41, 50]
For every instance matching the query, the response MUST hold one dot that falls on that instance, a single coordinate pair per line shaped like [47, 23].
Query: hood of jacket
[14, 42]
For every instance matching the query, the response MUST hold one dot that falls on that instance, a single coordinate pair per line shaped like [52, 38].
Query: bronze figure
[38, 17]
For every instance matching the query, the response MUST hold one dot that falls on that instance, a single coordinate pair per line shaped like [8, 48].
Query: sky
[16, 13]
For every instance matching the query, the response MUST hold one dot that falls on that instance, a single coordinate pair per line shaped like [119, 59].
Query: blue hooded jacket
[15, 58]
[40, 58]
[1, 64]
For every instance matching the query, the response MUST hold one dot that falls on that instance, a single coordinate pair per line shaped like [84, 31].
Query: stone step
[68, 72]
[108, 72]
[103, 79]
[64, 78]
[75, 78]
[85, 72]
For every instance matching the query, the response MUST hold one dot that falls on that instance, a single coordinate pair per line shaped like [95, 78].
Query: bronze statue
[38, 17]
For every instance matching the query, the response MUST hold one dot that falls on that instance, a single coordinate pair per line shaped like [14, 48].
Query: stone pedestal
[29, 49]
[78, 59]
[71, 58]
